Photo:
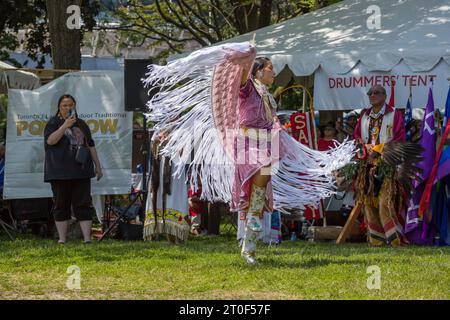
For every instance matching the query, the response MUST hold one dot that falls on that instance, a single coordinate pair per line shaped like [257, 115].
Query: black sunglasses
[370, 92]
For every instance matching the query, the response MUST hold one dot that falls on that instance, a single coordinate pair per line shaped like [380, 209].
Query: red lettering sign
[302, 128]
[385, 80]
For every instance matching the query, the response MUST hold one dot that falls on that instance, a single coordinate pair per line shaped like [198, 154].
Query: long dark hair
[66, 96]
[259, 64]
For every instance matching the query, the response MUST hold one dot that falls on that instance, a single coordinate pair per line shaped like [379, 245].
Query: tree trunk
[265, 13]
[252, 17]
[246, 17]
[65, 42]
[240, 18]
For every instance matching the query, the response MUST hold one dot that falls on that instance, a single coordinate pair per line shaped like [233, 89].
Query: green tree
[32, 16]
[22, 14]
[174, 23]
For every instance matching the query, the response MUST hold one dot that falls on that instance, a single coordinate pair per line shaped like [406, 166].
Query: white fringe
[195, 129]
[183, 110]
[305, 176]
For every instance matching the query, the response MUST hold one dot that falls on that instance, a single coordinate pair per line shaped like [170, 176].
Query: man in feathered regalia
[384, 169]
[221, 122]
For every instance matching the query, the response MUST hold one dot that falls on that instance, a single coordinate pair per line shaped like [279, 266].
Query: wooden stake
[350, 221]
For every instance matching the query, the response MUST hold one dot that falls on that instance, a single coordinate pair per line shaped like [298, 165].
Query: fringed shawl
[197, 107]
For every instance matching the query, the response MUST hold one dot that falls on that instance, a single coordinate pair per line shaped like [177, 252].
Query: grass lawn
[211, 268]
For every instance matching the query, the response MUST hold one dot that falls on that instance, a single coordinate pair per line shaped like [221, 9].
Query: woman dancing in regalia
[221, 122]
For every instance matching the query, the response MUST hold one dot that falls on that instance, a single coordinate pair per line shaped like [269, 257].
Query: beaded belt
[255, 133]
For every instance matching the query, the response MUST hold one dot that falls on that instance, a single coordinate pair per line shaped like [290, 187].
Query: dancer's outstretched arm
[246, 61]
[245, 73]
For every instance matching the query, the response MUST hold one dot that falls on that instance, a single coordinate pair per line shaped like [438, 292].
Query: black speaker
[136, 96]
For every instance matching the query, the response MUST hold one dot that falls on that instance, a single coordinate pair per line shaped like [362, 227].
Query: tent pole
[304, 100]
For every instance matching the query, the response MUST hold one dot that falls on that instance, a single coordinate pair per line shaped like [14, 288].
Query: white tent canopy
[339, 48]
[337, 37]
[12, 78]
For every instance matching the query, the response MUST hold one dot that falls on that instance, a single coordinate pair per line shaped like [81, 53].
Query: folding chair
[230, 222]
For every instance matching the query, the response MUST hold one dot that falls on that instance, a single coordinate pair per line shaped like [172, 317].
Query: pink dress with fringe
[251, 156]
[223, 116]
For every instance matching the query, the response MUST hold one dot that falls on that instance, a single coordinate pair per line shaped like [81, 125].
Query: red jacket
[202, 205]
[325, 145]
